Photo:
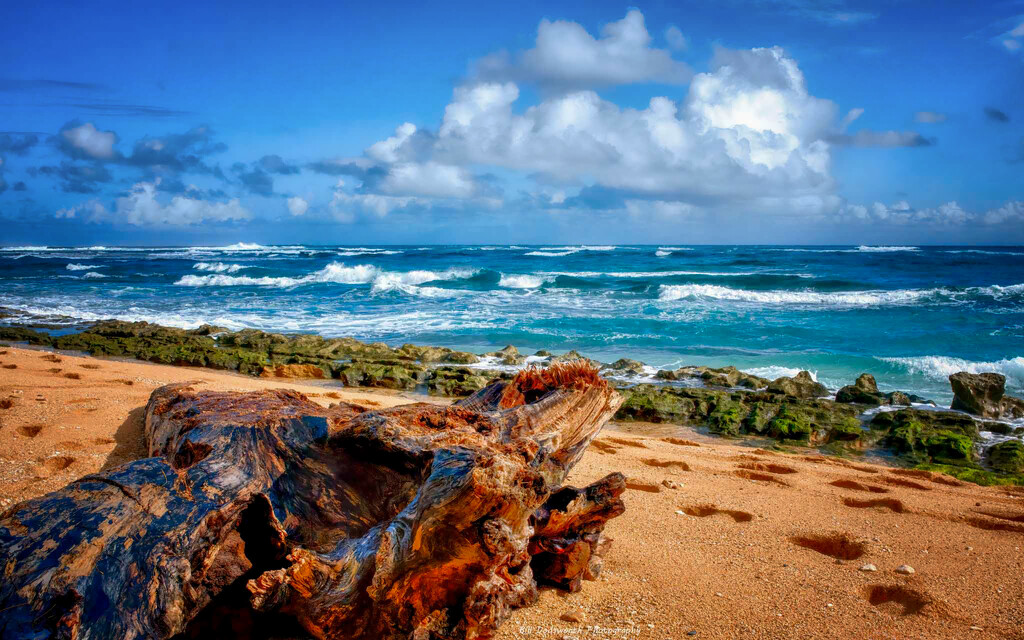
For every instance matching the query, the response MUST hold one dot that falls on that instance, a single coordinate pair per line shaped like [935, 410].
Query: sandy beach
[719, 540]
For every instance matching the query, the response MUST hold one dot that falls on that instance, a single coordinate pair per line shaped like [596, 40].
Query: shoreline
[855, 421]
[711, 541]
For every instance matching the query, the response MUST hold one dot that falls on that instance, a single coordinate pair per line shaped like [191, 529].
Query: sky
[703, 121]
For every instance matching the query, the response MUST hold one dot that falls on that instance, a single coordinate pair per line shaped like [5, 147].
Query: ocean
[909, 315]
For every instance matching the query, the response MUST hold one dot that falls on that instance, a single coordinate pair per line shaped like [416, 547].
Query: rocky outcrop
[1007, 456]
[802, 385]
[626, 366]
[266, 515]
[508, 356]
[294, 371]
[744, 413]
[456, 382]
[982, 394]
[928, 436]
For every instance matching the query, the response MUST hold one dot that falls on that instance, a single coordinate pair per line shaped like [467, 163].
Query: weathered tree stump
[265, 515]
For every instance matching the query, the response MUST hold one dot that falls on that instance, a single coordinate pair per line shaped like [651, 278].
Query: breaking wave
[218, 267]
[82, 267]
[522, 281]
[941, 367]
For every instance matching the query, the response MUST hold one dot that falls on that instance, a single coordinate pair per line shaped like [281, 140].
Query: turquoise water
[909, 315]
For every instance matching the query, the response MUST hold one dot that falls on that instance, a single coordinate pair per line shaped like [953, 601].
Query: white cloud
[566, 57]
[850, 116]
[1011, 44]
[944, 215]
[90, 141]
[297, 206]
[929, 117]
[675, 38]
[142, 208]
[1012, 211]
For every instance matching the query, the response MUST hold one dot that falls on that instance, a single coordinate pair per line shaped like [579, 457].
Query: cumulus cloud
[675, 38]
[566, 57]
[747, 135]
[84, 141]
[176, 152]
[141, 207]
[1013, 40]
[949, 214]
[930, 117]
[297, 206]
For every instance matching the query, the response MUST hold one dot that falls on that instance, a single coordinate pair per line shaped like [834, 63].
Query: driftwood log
[265, 515]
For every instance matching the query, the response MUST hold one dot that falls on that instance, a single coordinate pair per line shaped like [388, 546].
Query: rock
[461, 357]
[384, 374]
[897, 399]
[1007, 456]
[802, 385]
[293, 371]
[573, 616]
[509, 356]
[1012, 408]
[671, 484]
[625, 365]
[927, 435]
[456, 382]
[869, 567]
[905, 569]
[979, 394]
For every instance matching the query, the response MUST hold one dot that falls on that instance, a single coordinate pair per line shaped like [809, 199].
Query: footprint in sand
[910, 484]
[931, 476]
[627, 443]
[52, 358]
[836, 545]
[757, 475]
[124, 381]
[73, 376]
[907, 601]
[857, 486]
[892, 504]
[10, 366]
[55, 370]
[706, 510]
[1012, 517]
[6, 403]
[682, 442]
[52, 465]
[770, 467]
[30, 430]
[603, 447]
[102, 441]
[666, 464]
[90, 366]
[839, 462]
[638, 485]
[993, 525]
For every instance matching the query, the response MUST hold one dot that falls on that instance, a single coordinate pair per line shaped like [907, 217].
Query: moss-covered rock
[1007, 456]
[789, 424]
[20, 334]
[726, 418]
[928, 436]
[383, 374]
[459, 381]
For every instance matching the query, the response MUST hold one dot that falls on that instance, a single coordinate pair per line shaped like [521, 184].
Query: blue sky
[779, 121]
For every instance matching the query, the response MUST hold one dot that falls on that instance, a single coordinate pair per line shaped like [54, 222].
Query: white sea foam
[804, 297]
[661, 253]
[551, 254]
[884, 249]
[666, 274]
[218, 267]
[82, 267]
[772, 372]
[337, 273]
[941, 367]
[522, 281]
[362, 251]
[93, 275]
[982, 251]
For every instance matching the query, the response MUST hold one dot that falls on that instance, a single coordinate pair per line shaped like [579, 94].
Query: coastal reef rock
[802, 385]
[865, 391]
[266, 515]
[981, 394]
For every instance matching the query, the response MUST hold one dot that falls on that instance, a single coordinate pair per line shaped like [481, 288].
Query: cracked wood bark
[265, 515]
